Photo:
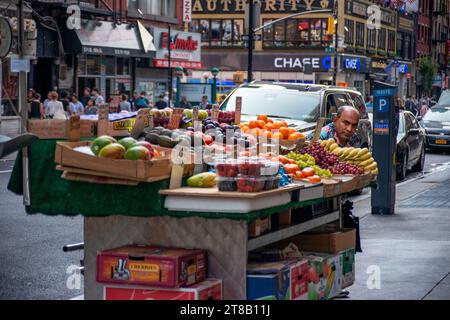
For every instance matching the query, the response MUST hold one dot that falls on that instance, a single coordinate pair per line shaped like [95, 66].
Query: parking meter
[385, 128]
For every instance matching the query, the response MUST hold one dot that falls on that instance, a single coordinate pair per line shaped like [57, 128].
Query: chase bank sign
[298, 63]
[352, 64]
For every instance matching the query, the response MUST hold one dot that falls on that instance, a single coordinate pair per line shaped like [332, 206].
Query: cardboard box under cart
[209, 289]
[151, 266]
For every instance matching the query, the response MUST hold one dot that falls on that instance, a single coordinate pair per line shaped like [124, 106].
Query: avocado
[166, 142]
[153, 138]
[166, 133]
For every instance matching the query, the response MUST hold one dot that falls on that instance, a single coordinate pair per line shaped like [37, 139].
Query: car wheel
[403, 168]
[420, 163]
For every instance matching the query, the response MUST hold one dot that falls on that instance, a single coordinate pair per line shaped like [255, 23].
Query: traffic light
[330, 29]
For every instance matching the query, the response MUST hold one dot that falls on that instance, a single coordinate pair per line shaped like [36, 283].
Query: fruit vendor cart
[227, 225]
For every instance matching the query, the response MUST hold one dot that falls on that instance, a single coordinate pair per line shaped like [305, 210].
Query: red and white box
[151, 266]
[209, 289]
[299, 280]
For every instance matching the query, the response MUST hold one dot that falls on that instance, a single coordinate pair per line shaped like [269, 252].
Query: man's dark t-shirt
[161, 104]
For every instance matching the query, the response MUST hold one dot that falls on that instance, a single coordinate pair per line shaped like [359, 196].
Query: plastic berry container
[270, 168]
[250, 184]
[227, 168]
[227, 184]
[250, 166]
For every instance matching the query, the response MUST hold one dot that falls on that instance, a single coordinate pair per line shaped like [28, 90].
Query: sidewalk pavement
[411, 247]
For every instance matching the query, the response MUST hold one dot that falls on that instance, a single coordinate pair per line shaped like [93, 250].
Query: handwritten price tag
[174, 122]
[237, 113]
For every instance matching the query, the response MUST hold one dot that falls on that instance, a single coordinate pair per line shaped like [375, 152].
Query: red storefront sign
[164, 63]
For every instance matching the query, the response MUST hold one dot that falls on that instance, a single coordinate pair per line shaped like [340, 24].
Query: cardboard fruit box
[136, 169]
[209, 289]
[329, 242]
[151, 266]
[282, 280]
[59, 128]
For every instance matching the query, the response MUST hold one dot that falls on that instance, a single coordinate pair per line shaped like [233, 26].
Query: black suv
[300, 105]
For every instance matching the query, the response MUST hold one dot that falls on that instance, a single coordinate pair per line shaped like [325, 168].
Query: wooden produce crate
[258, 227]
[59, 128]
[140, 170]
[348, 182]
[364, 180]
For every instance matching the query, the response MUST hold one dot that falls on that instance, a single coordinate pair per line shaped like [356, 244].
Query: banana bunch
[357, 156]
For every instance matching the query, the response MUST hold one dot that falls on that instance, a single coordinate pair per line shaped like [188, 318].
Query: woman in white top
[55, 109]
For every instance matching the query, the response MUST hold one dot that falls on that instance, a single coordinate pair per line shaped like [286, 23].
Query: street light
[178, 74]
[214, 71]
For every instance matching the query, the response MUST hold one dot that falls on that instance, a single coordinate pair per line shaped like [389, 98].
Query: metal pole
[177, 96]
[23, 107]
[214, 90]
[250, 41]
[170, 67]
[336, 42]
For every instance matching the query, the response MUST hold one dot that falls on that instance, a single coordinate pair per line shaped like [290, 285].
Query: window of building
[407, 50]
[391, 40]
[296, 32]
[382, 39]
[400, 44]
[109, 65]
[350, 33]
[219, 33]
[165, 8]
[360, 34]
[371, 38]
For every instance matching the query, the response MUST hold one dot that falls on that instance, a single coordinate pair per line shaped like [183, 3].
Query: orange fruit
[277, 135]
[314, 179]
[277, 125]
[263, 117]
[285, 132]
[269, 121]
[291, 131]
[244, 129]
[253, 124]
[261, 124]
[284, 123]
[295, 136]
[268, 126]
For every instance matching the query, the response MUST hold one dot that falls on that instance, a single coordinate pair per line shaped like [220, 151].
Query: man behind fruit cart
[343, 128]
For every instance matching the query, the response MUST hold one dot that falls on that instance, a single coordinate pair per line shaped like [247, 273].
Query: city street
[34, 265]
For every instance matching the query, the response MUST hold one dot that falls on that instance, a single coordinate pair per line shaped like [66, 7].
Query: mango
[128, 142]
[100, 142]
[112, 151]
[138, 153]
[202, 180]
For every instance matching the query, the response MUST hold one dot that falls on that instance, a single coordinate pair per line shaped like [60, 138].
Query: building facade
[439, 38]
[117, 46]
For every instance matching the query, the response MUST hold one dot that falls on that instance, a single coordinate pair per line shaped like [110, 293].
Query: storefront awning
[108, 38]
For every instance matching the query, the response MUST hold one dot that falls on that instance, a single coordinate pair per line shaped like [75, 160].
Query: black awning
[104, 38]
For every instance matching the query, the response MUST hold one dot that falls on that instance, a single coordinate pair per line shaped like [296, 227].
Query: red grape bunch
[346, 168]
[323, 158]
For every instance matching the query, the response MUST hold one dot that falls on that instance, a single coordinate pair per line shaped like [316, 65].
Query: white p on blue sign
[382, 104]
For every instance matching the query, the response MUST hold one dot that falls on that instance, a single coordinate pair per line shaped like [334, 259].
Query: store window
[400, 44]
[219, 33]
[350, 32]
[360, 34]
[292, 34]
[109, 64]
[407, 50]
[123, 66]
[93, 65]
[303, 27]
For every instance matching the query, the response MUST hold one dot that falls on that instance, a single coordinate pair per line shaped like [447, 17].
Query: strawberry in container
[250, 184]
[250, 166]
[227, 168]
